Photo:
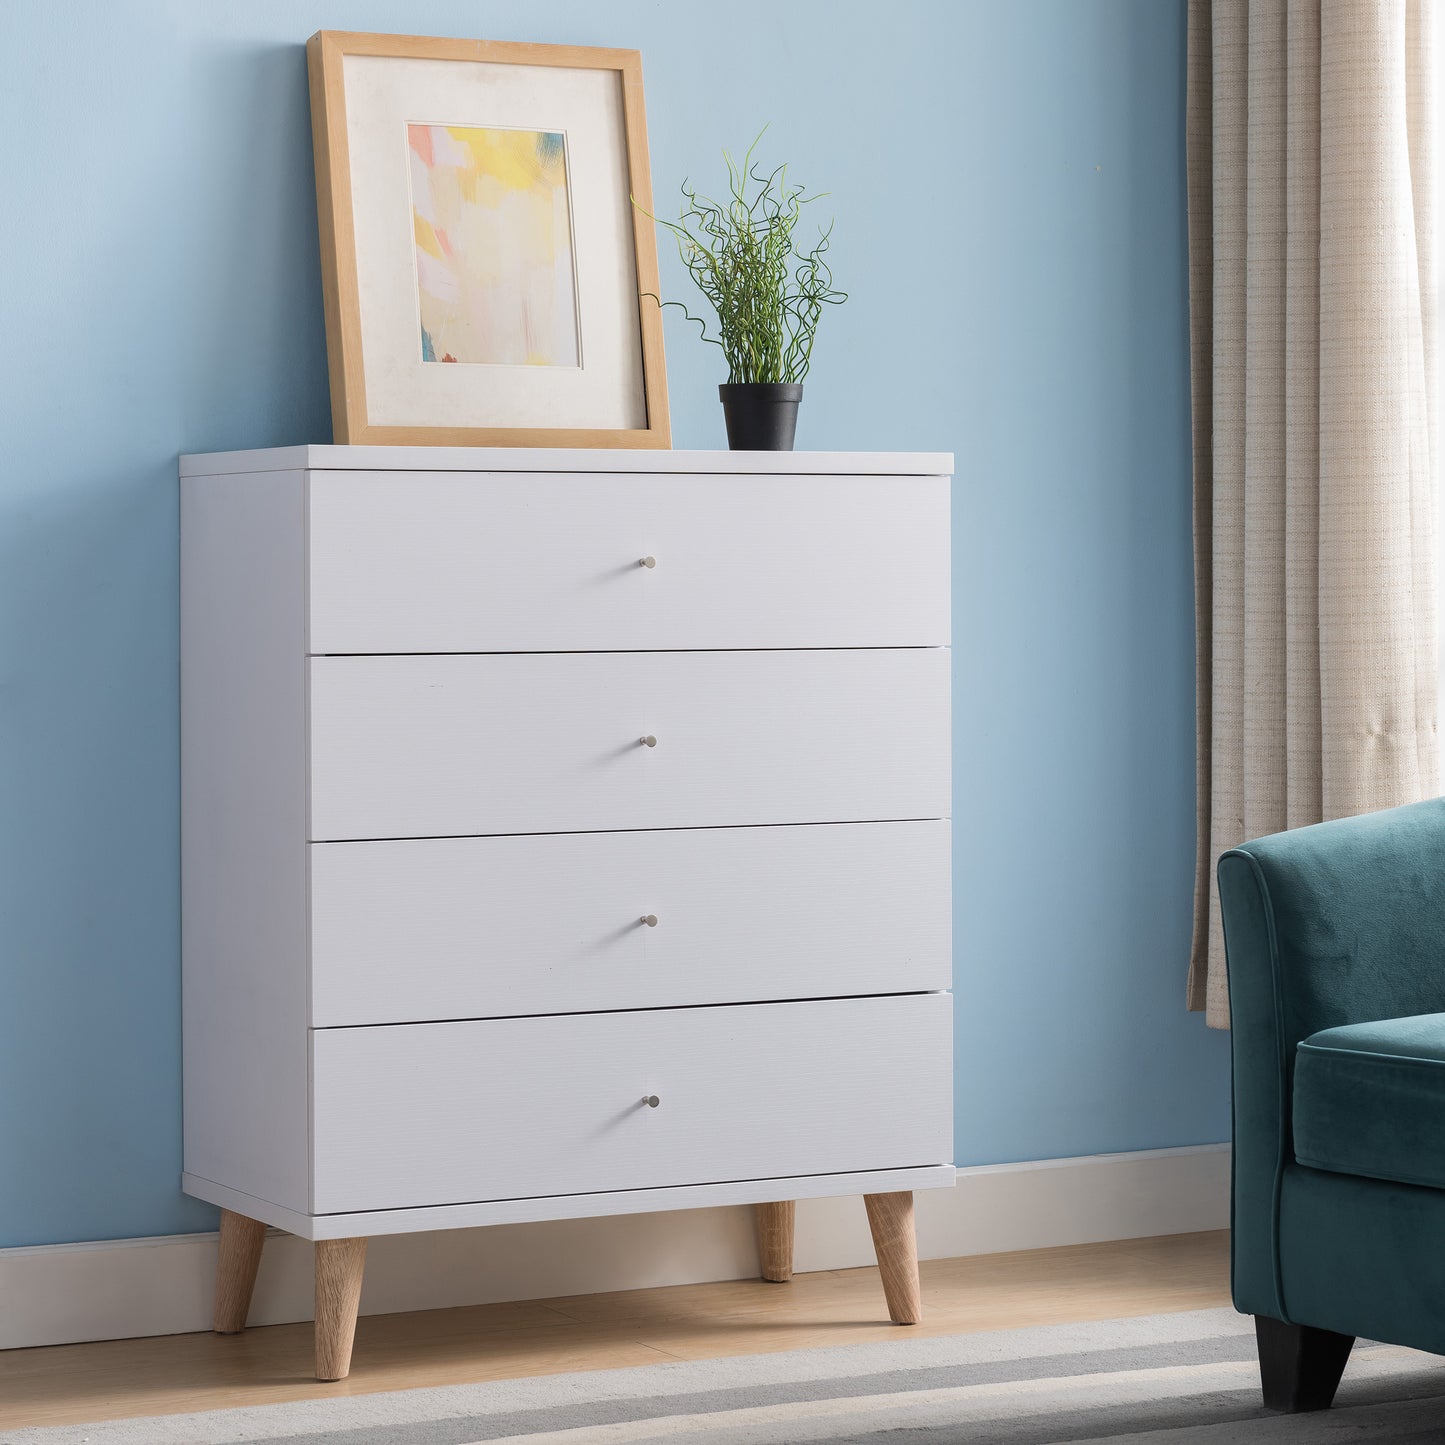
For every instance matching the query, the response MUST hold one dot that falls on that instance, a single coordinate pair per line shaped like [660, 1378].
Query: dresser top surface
[564, 459]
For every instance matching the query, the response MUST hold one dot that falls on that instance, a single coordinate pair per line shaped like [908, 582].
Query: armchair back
[1338, 923]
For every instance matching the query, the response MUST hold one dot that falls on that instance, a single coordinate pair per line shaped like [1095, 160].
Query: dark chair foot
[1299, 1366]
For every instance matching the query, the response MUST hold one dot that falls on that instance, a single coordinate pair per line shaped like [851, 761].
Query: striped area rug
[1164, 1378]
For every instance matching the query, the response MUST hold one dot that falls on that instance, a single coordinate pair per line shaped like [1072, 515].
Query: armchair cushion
[1369, 1099]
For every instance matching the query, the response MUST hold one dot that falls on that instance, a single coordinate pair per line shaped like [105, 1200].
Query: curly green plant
[768, 294]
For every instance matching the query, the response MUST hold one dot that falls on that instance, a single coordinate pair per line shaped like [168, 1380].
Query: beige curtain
[1311, 189]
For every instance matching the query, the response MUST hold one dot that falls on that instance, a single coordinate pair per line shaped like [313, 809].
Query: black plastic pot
[761, 415]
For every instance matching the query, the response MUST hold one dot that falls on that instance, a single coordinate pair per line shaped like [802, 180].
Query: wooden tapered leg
[236, 1265]
[775, 1239]
[1299, 1366]
[339, 1267]
[890, 1217]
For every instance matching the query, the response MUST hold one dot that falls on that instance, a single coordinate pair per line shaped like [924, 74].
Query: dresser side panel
[243, 831]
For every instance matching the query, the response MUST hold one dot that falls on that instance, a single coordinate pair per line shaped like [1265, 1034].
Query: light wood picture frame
[546, 143]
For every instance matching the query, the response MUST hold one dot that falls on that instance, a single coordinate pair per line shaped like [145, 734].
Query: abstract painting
[488, 254]
[493, 242]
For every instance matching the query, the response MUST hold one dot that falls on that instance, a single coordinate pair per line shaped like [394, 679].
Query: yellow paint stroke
[426, 237]
[508, 157]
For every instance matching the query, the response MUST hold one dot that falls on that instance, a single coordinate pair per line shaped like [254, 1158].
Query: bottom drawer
[410, 1115]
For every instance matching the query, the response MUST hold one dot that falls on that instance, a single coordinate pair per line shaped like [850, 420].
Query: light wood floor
[71, 1384]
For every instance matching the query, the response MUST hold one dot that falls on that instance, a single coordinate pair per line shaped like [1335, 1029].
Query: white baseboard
[59, 1294]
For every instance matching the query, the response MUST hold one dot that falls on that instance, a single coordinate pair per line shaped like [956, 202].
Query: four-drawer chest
[564, 833]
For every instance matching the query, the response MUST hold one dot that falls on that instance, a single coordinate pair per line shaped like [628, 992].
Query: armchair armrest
[1339, 923]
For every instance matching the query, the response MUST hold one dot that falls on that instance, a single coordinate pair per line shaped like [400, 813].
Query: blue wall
[1007, 180]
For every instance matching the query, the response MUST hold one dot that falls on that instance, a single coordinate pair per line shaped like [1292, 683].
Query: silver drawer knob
[647, 561]
[649, 741]
[651, 1100]
[650, 919]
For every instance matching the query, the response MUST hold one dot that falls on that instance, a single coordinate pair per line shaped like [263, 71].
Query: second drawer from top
[416, 747]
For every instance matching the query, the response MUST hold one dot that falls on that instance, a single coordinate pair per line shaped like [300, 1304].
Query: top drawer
[548, 562]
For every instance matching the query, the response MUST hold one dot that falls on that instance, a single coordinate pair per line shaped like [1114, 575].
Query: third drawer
[446, 928]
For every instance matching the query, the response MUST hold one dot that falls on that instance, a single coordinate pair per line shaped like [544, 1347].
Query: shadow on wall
[256, 362]
[1157, 613]
[90, 1030]
[188, 279]
[1074, 741]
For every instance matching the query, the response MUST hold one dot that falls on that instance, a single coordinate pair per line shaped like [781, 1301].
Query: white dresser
[564, 833]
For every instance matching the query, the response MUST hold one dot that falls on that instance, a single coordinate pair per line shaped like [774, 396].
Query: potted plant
[766, 292]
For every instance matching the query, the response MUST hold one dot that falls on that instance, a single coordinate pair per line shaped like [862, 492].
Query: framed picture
[482, 261]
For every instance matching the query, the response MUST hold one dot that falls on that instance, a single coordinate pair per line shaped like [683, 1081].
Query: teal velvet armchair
[1335, 937]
